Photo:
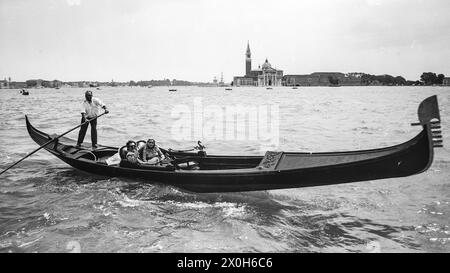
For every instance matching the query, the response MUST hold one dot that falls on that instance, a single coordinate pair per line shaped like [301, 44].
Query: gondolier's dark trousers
[83, 130]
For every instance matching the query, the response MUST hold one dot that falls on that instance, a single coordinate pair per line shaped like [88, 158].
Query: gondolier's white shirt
[91, 109]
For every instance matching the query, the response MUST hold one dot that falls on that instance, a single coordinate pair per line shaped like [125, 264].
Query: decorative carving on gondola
[270, 159]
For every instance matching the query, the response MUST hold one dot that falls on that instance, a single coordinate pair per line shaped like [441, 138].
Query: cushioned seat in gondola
[123, 152]
[86, 154]
[140, 144]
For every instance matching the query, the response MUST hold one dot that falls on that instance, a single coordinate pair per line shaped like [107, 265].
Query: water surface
[47, 206]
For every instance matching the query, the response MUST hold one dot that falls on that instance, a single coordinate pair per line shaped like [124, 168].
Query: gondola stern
[27, 121]
[30, 127]
[38, 136]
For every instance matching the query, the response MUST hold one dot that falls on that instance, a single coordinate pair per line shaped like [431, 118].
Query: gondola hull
[254, 173]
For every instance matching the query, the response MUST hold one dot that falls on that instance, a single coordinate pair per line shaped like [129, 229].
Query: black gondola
[275, 170]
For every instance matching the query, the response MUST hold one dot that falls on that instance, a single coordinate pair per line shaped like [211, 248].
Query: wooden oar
[50, 141]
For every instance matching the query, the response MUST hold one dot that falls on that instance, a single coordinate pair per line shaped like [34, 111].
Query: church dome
[266, 64]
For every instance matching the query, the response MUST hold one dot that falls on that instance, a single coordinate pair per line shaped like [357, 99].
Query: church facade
[265, 75]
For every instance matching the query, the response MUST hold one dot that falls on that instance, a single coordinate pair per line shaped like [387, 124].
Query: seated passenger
[150, 153]
[132, 154]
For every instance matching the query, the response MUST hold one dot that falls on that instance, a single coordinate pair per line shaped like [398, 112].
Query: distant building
[8, 84]
[18, 85]
[446, 81]
[221, 83]
[265, 75]
[322, 79]
[300, 80]
[4, 84]
[39, 83]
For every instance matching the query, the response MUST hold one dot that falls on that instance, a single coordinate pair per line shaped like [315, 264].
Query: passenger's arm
[144, 155]
[140, 161]
[161, 155]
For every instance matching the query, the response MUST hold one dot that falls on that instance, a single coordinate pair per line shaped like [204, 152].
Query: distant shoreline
[350, 79]
[239, 87]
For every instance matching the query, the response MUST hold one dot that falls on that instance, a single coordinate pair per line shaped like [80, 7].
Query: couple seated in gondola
[147, 153]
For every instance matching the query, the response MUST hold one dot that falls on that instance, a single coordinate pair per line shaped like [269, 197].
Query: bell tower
[248, 60]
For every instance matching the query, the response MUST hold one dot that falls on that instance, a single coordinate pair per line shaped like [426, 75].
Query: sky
[197, 40]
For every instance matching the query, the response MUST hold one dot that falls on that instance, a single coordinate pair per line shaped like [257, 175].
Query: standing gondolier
[90, 110]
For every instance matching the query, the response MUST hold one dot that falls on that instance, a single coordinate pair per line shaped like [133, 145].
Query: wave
[109, 129]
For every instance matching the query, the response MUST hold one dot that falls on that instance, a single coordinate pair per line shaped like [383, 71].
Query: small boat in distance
[24, 92]
[295, 87]
[269, 88]
[172, 90]
[274, 170]
[228, 89]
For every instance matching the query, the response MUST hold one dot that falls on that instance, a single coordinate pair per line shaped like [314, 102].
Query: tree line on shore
[367, 79]
[430, 78]
[427, 78]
